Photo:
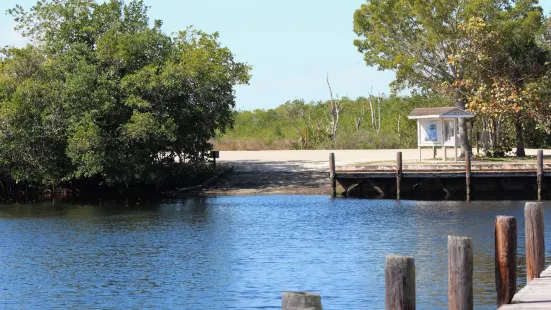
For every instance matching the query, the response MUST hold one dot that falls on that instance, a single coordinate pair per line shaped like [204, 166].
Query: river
[239, 252]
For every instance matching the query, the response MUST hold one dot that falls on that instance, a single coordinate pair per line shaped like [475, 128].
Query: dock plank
[535, 295]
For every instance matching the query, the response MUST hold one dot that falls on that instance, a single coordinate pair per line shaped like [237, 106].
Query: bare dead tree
[358, 120]
[371, 107]
[379, 100]
[334, 113]
[399, 133]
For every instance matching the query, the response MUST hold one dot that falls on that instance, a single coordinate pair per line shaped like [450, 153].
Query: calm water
[238, 252]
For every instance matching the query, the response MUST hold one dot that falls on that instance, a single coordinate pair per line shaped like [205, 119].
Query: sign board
[430, 132]
[214, 154]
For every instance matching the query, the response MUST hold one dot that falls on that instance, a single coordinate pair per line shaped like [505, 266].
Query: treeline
[363, 123]
[374, 122]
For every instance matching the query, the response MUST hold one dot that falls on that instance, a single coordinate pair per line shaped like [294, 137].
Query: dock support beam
[468, 174]
[398, 175]
[332, 175]
[540, 175]
[505, 258]
[535, 243]
[399, 283]
[460, 273]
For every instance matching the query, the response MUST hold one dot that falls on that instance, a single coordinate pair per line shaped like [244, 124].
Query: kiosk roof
[441, 112]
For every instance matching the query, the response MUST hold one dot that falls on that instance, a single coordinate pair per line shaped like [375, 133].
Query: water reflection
[239, 252]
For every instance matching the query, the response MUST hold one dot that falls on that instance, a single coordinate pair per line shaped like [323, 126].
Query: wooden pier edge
[537, 293]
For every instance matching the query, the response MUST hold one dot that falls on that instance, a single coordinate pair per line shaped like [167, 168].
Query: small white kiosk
[438, 127]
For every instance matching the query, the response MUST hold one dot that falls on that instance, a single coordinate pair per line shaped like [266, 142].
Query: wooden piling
[399, 175]
[332, 174]
[460, 273]
[505, 258]
[399, 283]
[540, 175]
[468, 175]
[300, 301]
[535, 243]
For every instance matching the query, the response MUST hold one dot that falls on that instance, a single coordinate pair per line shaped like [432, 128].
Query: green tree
[103, 92]
[421, 40]
[506, 58]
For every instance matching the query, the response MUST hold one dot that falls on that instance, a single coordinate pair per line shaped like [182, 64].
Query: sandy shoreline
[269, 183]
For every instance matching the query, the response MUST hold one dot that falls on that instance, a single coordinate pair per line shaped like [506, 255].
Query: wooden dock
[471, 180]
[535, 295]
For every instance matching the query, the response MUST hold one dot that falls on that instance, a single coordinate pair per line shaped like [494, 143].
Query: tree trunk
[463, 133]
[520, 135]
[464, 136]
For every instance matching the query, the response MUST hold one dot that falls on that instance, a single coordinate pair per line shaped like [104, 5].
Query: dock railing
[400, 271]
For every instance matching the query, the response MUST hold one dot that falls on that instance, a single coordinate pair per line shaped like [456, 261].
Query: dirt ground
[270, 183]
[296, 172]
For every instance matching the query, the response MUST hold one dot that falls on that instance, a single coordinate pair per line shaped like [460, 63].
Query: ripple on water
[239, 252]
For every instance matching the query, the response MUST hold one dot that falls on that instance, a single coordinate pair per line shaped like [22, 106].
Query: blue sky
[291, 45]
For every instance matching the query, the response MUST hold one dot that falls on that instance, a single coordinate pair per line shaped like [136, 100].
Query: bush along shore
[176, 183]
[104, 101]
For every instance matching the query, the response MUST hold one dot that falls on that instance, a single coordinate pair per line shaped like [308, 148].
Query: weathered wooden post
[540, 175]
[399, 175]
[399, 283]
[460, 273]
[535, 243]
[505, 258]
[214, 155]
[332, 174]
[300, 301]
[468, 174]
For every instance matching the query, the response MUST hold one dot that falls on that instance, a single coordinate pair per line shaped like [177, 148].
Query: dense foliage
[103, 93]
[490, 56]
